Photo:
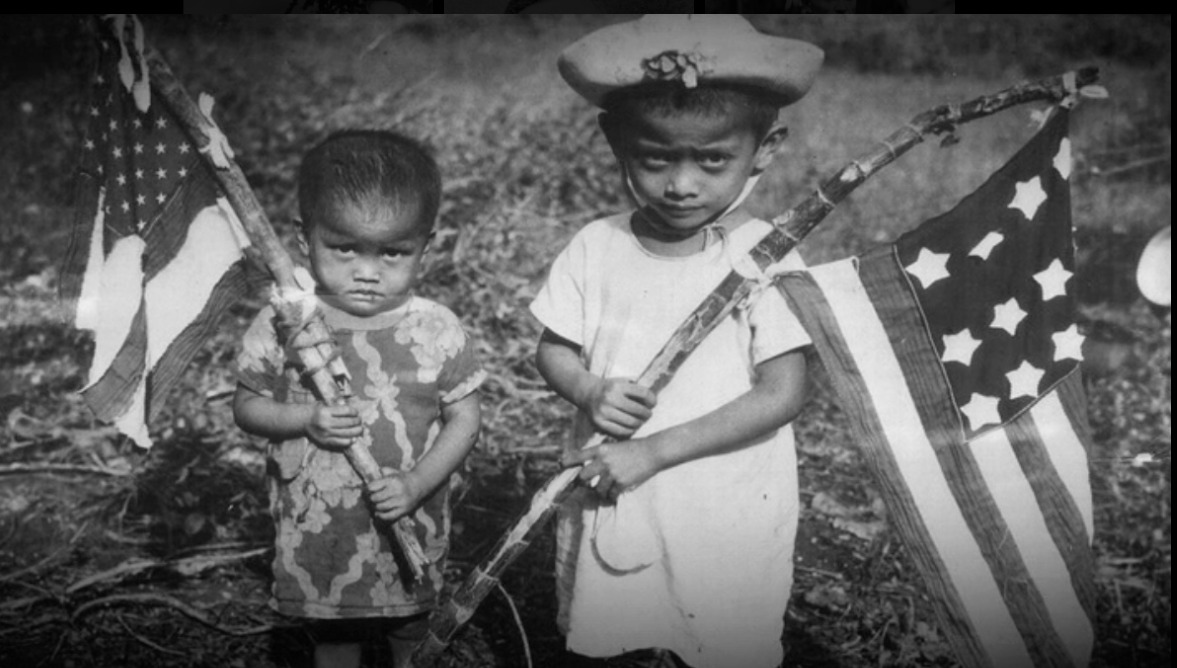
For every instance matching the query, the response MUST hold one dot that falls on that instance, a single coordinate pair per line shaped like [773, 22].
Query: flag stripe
[861, 366]
[1059, 512]
[188, 342]
[979, 502]
[130, 421]
[88, 198]
[1063, 619]
[110, 394]
[888, 287]
[178, 292]
[116, 316]
[1069, 448]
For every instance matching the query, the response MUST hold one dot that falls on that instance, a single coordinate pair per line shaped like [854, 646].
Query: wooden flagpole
[788, 230]
[312, 339]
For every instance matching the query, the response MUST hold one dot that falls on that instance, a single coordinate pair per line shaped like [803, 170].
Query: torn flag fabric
[156, 253]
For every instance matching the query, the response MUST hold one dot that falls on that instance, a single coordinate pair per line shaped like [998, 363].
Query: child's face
[365, 254]
[689, 167]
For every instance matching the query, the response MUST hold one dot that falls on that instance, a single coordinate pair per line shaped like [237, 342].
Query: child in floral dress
[368, 200]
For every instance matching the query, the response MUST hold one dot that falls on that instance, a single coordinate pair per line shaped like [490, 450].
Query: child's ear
[769, 146]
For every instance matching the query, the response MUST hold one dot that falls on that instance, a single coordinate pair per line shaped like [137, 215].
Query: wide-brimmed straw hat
[691, 49]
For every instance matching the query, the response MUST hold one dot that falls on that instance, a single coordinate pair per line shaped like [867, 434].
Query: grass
[525, 167]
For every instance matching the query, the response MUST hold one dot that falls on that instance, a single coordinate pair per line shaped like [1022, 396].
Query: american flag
[156, 252]
[955, 353]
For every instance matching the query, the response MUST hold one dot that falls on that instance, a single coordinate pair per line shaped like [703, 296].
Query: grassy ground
[525, 167]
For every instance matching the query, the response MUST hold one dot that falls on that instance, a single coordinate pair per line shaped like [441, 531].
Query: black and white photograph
[343, 334]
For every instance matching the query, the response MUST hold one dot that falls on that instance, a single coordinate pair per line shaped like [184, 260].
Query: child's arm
[399, 492]
[774, 400]
[332, 427]
[616, 406]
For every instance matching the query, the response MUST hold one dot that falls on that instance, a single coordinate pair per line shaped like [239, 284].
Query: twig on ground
[13, 469]
[187, 567]
[145, 641]
[518, 622]
[168, 602]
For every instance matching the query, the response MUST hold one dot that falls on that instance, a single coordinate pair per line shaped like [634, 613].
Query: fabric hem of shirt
[308, 610]
[465, 388]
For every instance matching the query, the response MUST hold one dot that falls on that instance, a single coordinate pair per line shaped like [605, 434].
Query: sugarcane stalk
[312, 341]
[788, 230]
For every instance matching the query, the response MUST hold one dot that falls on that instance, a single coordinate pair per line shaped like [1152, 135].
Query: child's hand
[395, 495]
[618, 406]
[334, 427]
[616, 467]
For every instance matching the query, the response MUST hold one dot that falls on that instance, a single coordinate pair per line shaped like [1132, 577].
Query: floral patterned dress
[331, 559]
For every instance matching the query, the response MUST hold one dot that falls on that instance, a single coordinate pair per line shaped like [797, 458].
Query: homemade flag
[156, 252]
[955, 354]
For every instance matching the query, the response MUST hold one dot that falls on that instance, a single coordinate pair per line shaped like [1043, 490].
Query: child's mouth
[680, 211]
[364, 295]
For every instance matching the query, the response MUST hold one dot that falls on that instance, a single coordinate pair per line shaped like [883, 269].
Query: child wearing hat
[680, 545]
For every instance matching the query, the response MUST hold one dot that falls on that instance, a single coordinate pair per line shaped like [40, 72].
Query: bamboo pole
[788, 230]
[313, 342]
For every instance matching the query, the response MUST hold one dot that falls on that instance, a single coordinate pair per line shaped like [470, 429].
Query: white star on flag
[1007, 316]
[1062, 160]
[1023, 381]
[1068, 344]
[1053, 280]
[929, 267]
[960, 347]
[981, 410]
[1028, 197]
[985, 246]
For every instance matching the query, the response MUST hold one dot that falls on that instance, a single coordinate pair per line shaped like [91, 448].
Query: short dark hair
[666, 98]
[353, 164]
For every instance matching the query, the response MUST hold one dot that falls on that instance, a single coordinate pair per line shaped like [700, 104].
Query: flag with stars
[156, 251]
[955, 354]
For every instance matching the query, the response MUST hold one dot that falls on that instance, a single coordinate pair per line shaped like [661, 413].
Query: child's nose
[365, 270]
[682, 183]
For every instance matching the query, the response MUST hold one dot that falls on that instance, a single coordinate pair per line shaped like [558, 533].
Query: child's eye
[653, 160]
[394, 253]
[713, 160]
[344, 250]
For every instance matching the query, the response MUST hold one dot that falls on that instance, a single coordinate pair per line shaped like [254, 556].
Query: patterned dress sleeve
[260, 361]
[461, 372]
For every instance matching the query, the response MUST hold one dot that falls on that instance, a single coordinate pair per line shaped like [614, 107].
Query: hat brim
[613, 58]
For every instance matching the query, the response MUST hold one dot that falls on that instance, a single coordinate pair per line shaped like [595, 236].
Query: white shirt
[698, 559]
